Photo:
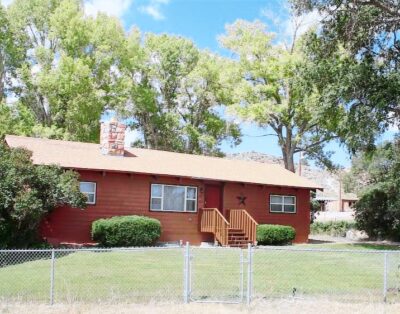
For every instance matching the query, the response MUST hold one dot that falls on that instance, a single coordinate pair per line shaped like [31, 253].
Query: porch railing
[213, 221]
[241, 219]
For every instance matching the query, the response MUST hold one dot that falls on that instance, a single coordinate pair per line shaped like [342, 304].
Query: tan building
[336, 204]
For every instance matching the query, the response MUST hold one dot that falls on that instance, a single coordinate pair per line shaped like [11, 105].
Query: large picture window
[177, 198]
[89, 189]
[282, 204]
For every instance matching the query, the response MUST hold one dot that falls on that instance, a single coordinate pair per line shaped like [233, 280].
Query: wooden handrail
[241, 219]
[213, 221]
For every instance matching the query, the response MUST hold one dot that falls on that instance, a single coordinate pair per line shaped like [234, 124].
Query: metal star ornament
[242, 199]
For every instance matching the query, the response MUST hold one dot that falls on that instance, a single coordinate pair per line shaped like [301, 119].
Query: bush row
[122, 231]
[332, 228]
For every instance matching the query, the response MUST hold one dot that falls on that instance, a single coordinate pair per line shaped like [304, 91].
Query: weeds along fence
[194, 274]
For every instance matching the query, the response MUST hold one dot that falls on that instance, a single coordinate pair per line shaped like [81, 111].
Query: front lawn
[157, 274]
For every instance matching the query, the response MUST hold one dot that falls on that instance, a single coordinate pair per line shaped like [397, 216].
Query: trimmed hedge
[275, 234]
[121, 231]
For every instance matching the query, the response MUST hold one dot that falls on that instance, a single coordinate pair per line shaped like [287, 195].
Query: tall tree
[281, 89]
[173, 95]
[11, 53]
[369, 29]
[68, 77]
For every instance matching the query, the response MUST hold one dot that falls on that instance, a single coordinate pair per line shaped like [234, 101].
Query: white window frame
[162, 198]
[282, 211]
[92, 193]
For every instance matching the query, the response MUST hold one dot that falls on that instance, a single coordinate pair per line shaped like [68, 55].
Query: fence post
[384, 276]
[52, 277]
[249, 272]
[186, 274]
[241, 276]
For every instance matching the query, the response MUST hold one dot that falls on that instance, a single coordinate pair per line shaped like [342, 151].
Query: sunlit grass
[216, 274]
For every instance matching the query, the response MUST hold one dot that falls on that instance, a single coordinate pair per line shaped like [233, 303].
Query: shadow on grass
[313, 241]
[373, 246]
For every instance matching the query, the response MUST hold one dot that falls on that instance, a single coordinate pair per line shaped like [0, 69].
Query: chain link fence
[344, 275]
[194, 274]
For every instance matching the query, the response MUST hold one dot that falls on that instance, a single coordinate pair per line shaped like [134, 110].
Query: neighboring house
[331, 197]
[196, 198]
[337, 202]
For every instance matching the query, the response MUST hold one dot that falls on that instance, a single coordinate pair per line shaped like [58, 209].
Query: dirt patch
[273, 306]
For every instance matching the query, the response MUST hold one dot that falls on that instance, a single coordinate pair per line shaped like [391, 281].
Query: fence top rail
[300, 249]
[166, 248]
[115, 249]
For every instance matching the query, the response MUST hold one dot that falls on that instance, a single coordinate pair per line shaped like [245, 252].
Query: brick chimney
[112, 138]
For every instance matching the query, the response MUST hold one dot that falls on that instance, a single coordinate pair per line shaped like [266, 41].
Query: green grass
[216, 274]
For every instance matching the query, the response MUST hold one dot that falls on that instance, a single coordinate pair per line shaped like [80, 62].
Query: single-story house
[196, 198]
[344, 202]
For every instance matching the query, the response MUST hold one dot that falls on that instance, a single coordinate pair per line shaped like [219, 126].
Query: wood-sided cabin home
[196, 198]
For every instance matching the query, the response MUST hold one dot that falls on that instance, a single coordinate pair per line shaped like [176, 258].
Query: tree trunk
[2, 75]
[288, 158]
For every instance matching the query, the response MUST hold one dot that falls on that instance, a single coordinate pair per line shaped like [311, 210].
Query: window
[89, 189]
[282, 204]
[173, 198]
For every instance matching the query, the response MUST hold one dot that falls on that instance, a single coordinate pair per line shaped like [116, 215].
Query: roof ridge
[144, 149]
[80, 155]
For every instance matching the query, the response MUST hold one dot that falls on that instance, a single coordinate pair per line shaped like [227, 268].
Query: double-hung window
[282, 204]
[89, 189]
[176, 198]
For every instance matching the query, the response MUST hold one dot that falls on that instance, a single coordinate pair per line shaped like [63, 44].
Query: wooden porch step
[238, 241]
[235, 232]
[243, 238]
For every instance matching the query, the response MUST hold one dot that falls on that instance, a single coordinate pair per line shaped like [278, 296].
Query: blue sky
[202, 21]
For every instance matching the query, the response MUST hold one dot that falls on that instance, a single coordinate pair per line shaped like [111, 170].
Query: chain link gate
[216, 275]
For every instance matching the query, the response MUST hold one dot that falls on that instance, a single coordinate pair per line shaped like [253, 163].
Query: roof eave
[313, 188]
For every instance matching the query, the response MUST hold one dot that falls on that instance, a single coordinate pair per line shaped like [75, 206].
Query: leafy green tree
[11, 52]
[68, 78]
[364, 26]
[18, 121]
[173, 93]
[369, 30]
[375, 177]
[28, 192]
[284, 90]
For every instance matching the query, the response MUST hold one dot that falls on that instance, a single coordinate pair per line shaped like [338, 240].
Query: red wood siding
[257, 204]
[123, 194]
[129, 194]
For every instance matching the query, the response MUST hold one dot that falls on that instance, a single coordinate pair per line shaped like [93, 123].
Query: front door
[213, 197]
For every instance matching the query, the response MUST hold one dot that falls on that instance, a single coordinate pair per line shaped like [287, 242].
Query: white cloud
[394, 127]
[6, 2]
[114, 7]
[271, 16]
[286, 25]
[153, 8]
[302, 24]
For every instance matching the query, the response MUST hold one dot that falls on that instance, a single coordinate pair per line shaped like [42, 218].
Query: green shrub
[28, 193]
[275, 234]
[377, 212]
[332, 228]
[120, 231]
